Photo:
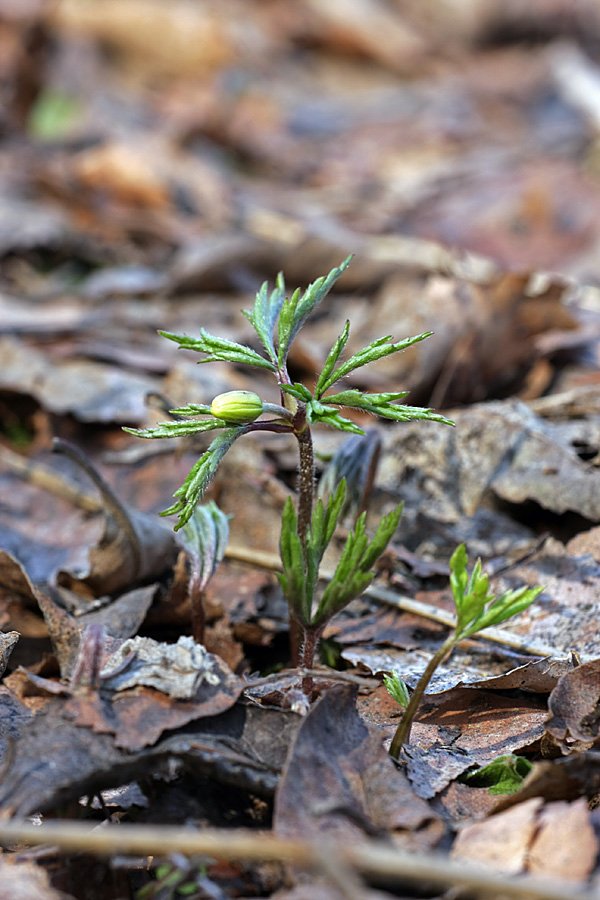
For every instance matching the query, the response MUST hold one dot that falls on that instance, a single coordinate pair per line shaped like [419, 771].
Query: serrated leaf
[353, 572]
[396, 688]
[293, 577]
[192, 409]
[503, 608]
[332, 358]
[377, 349]
[383, 535]
[299, 391]
[319, 412]
[360, 400]
[265, 313]
[298, 308]
[177, 429]
[194, 486]
[384, 405]
[219, 349]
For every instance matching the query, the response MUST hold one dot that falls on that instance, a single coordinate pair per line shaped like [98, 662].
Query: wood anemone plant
[477, 608]
[307, 528]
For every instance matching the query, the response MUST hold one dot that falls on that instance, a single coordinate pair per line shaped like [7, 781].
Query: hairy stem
[312, 637]
[196, 594]
[306, 482]
[402, 735]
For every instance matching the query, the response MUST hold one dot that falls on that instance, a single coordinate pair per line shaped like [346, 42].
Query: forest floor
[158, 163]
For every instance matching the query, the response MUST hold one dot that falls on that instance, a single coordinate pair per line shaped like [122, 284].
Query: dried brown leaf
[358, 789]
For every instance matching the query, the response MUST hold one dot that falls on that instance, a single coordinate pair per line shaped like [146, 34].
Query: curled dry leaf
[148, 688]
[358, 790]
[177, 670]
[8, 642]
[135, 547]
[244, 747]
[574, 724]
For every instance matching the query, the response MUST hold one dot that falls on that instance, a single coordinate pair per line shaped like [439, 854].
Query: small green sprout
[204, 538]
[476, 608]
[397, 689]
[306, 529]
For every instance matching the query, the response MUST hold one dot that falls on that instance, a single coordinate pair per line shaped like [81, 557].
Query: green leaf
[476, 607]
[293, 577]
[504, 775]
[503, 608]
[220, 350]
[384, 405]
[177, 429]
[383, 536]
[296, 310]
[204, 536]
[397, 689]
[300, 568]
[299, 391]
[265, 313]
[332, 358]
[194, 486]
[352, 574]
[376, 350]
[458, 576]
[318, 412]
[187, 889]
[192, 409]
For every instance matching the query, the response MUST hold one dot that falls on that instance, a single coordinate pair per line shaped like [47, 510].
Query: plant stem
[402, 734]
[306, 481]
[196, 594]
[312, 637]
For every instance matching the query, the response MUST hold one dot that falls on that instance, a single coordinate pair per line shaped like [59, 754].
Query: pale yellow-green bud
[237, 407]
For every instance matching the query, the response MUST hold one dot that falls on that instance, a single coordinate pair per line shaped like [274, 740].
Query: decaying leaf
[495, 450]
[461, 727]
[178, 670]
[8, 642]
[556, 840]
[134, 548]
[501, 841]
[574, 705]
[244, 747]
[358, 789]
[27, 881]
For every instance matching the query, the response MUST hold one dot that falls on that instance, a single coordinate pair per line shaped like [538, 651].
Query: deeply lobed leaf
[378, 349]
[295, 311]
[191, 491]
[220, 350]
[177, 429]
[265, 313]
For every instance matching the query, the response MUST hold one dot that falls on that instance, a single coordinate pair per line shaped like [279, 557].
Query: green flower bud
[237, 407]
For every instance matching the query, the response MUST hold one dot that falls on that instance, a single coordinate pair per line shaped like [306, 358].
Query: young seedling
[204, 538]
[307, 529]
[476, 609]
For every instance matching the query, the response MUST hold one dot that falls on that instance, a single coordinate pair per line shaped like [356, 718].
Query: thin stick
[425, 610]
[371, 858]
[49, 480]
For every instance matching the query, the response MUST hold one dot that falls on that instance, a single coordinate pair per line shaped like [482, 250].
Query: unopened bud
[237, 407]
